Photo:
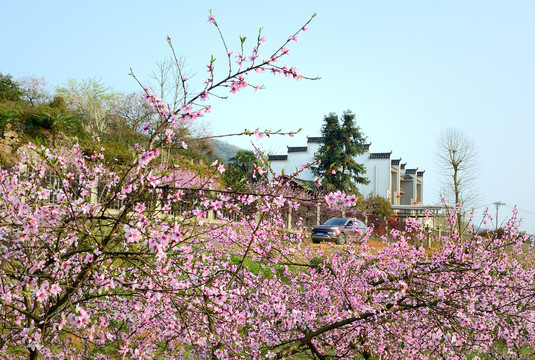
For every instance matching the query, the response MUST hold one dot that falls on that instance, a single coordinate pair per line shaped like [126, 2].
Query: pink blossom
[140, 207]
[198, 213]
[217, 205]
[55, 289]
[279, 201]
[330, 199]
[259, 134]
[145, 127]
[133, 235]
[41, 295]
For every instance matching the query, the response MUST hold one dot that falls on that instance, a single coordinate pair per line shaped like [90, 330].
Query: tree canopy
[343, 140]
[91, 99]
[244, 167]
[9, 89]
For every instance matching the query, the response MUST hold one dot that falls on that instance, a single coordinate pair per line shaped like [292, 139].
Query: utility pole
[498, 204]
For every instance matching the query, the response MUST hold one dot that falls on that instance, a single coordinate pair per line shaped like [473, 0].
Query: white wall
[378, 171]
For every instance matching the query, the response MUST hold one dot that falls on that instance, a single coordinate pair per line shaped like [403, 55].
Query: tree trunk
[33, 355]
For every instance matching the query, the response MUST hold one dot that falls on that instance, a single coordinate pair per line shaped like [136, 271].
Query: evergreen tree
[341, 144]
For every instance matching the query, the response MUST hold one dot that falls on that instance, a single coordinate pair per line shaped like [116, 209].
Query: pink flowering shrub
[122, 270]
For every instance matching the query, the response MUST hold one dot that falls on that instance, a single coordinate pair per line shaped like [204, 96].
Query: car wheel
[315, 241]
[341, 240]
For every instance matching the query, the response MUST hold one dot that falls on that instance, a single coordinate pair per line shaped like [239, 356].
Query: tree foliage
[376, 205]
[342, 142]
[242, 169]
[9, 89]
[90, 99]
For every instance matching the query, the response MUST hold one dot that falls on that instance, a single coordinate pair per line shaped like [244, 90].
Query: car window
[360, 224]
[335, 221]
[349, 223]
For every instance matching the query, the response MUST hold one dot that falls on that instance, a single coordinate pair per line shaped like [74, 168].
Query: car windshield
[335, 222]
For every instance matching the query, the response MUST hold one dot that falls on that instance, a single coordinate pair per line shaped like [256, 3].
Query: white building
[388, 177]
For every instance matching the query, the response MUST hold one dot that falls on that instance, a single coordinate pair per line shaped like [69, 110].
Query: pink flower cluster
[340, 198]
[158, 104]
[238, 84]
[146, 157]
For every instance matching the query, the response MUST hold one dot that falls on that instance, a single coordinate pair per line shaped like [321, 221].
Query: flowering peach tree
[149, 261]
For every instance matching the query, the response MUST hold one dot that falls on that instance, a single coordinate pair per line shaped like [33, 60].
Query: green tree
[376, 205]
[9, 89]
[241, 170]
[342, 142]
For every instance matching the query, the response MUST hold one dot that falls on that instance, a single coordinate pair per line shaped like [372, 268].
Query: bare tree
[168, 82]
[457, 160]
[133, 110]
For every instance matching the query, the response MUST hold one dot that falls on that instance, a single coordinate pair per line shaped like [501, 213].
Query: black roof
[293, 149]
[316, 139]
[277, 157]
[395, 161]
[380, 155]
[420, 173]
[411, 171]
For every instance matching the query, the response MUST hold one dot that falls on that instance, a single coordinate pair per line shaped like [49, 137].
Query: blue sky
[407, 69]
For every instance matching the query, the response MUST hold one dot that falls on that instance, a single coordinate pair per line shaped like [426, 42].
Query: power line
[522, 210]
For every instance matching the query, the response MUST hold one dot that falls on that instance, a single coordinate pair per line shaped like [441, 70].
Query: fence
[307, 213]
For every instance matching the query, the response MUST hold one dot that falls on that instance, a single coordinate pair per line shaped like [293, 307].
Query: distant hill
[225, 151]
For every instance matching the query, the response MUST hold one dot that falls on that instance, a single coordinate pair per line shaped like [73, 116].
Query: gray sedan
[338, 230]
